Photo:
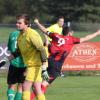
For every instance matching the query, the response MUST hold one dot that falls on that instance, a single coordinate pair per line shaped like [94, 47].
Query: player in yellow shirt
[31, 48]
[55, 28]
[58, 26]
[34, 55]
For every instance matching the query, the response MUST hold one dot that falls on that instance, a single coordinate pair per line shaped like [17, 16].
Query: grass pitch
[66, 88]
[5, 31]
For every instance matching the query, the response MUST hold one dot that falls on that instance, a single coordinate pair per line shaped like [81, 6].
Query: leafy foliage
[74, 10]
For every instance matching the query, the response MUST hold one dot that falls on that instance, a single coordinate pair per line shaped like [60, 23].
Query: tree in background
[77, 10]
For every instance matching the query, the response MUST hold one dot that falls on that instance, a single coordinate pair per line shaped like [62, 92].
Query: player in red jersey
[59, 48]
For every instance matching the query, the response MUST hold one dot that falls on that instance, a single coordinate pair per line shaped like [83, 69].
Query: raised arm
[90, 36]
[40, 26]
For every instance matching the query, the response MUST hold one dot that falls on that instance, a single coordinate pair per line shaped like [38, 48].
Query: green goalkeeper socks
[11, 94]
[18, 96]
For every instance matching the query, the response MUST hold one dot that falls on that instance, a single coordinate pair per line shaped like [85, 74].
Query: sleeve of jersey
[37, 42]
[50, 34]
[76, 40]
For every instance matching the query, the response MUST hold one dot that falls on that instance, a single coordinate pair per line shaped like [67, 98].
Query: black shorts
[15, 75]
[54, 68]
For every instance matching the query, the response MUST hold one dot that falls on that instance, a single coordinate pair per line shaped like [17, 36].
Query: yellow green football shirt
[29, 44]
[55, 29]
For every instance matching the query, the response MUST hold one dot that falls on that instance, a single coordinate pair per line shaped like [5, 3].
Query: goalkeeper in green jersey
[16, 70]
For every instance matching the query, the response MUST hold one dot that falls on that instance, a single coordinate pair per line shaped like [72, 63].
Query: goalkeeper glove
[3, 61]
[45, 73]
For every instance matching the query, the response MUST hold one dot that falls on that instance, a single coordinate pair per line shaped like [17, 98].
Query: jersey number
[61, 41]
[15, 44]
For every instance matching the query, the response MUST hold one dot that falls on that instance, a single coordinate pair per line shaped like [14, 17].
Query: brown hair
[66, 30]
[60, 17]
[25, 17]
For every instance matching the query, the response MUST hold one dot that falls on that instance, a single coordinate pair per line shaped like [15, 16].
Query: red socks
[44, 88]
[33, 95]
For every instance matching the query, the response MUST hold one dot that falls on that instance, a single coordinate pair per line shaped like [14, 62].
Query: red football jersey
[61, 44]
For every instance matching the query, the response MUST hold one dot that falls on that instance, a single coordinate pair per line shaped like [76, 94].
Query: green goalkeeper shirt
[12, 46]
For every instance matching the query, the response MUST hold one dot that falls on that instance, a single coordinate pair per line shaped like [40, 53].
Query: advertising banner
[4, 52]
[84, 56]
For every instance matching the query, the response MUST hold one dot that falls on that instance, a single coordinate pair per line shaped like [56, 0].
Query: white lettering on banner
[87, 66]
[91, 66]
[85, 52]
[3, 51]
[73, 66]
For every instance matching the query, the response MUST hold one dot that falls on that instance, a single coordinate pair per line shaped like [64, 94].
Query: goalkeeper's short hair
[25, 17]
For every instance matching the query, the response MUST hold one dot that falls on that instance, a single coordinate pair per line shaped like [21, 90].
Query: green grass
[75, 88]
[67, 88]
[5, 31]
[82, 34]
[3, 88]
